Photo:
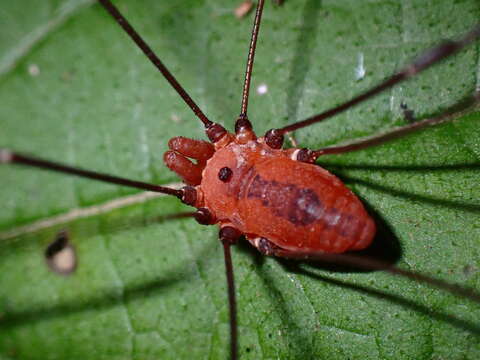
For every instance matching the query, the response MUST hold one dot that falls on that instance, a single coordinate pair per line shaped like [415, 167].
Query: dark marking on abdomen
[299, 206]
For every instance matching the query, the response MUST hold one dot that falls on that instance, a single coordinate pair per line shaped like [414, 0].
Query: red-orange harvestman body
[285, 205]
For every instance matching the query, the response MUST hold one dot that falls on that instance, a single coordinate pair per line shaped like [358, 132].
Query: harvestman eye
[225, 174]
[60, 255]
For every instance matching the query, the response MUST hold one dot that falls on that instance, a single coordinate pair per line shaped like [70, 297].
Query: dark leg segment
[120, 19]
[10, 157]
[267, 247]
[229, 236]
[250, 60]
[374, 264]
[204, 217]
[310, 156]
[424, 61]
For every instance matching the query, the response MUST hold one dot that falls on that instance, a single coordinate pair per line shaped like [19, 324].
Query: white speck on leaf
[175, 118]
[262, 89]
[360, 69]
[33, 70]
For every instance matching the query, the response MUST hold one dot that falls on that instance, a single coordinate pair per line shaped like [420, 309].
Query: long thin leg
[243, 118]
[120, 19]
[231, 301]
[424, 61]
[228, 236]
[310, 156]
[9, 157]
[373, 264]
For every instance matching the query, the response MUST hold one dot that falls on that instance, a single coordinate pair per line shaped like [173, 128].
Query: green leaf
[74, 89]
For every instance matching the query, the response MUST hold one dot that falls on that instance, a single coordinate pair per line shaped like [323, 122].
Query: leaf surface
[149, 288]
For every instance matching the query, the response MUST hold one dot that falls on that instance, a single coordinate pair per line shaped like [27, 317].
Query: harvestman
[271, 143]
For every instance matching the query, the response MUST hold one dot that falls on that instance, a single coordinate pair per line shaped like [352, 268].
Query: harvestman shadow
[400, 300]
[385, 247]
